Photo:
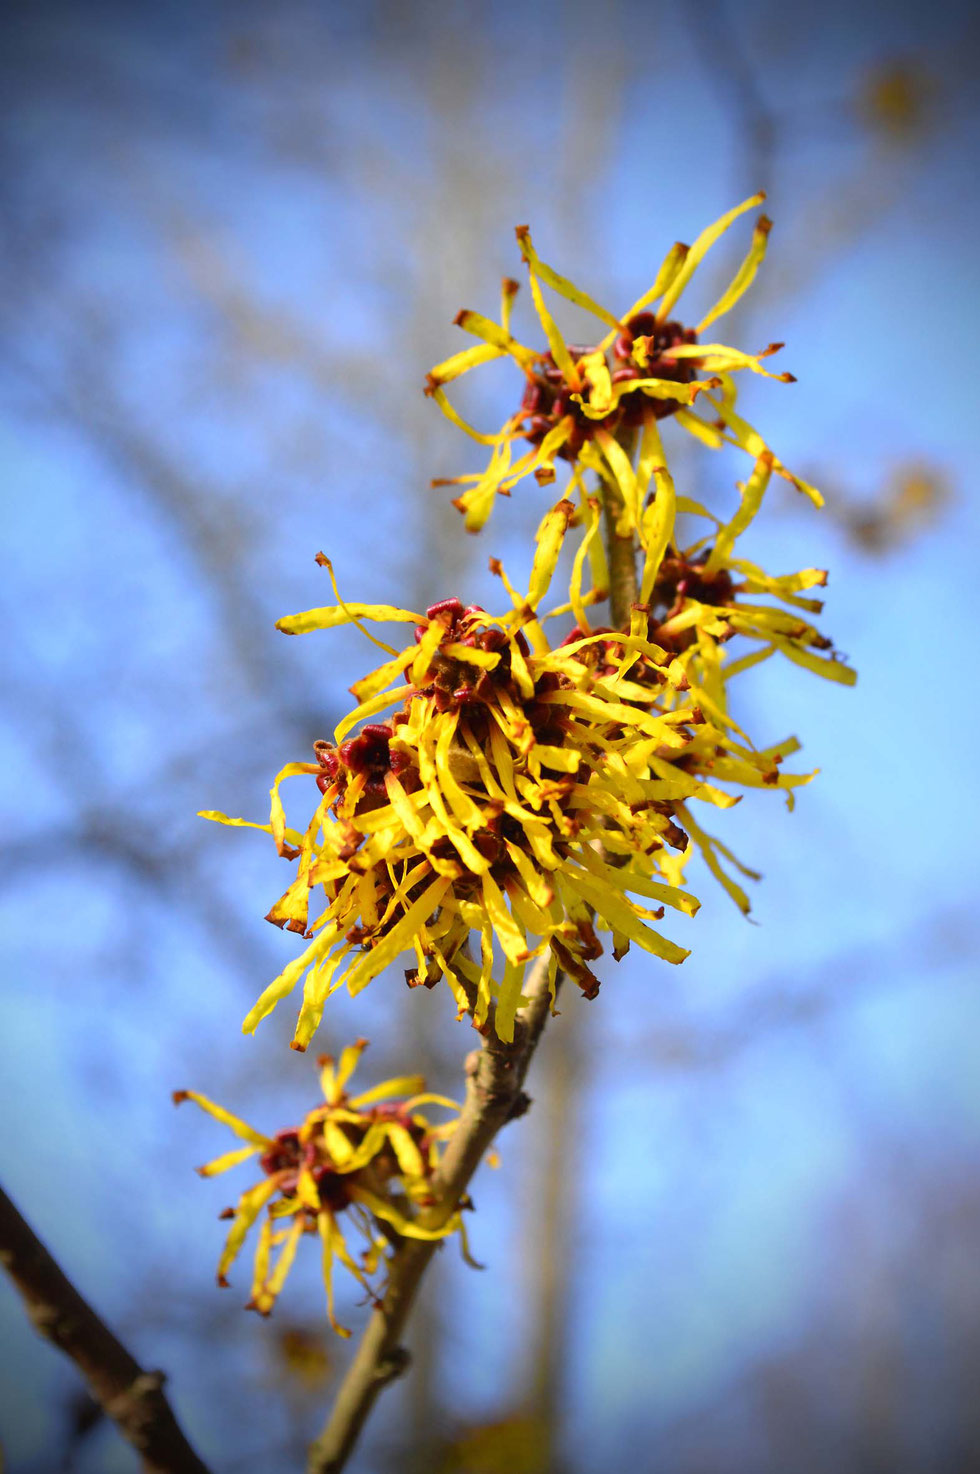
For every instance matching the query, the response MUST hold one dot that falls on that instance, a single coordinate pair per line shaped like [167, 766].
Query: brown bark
[494, 1095]
[131, 1397]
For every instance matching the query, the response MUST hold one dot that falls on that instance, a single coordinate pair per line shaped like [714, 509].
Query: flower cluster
[532, 793]
[524, 789]
[579, 402]
[355, 1160]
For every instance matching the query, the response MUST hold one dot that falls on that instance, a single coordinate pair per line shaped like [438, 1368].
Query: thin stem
[548, 1260]
[131, 1397]
[495, 1076]
[620, 549]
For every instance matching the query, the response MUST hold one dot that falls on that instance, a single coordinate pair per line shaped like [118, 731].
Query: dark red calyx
[493, 640]
[332, 1187]
[577, 633]
[547, 399]
[284, 1154]
[326, 755]
[369, 753]
[663, 336]
[679, 579]
[394, 1110]
[452, 607]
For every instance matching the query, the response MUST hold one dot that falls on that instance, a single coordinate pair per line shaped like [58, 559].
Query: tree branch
[620, 549]
[131, 1397]
[495, 1076]
[733, 69]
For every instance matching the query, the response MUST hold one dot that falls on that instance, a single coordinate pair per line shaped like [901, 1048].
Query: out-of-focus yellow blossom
[579, 401]
[519, 1443]
[531, 794]
[897, 98]
[356, 1161]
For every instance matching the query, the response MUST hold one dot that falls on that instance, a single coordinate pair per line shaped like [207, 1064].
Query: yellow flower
[353, 1161]
[526, 793]
[694, 601]
[579, 402]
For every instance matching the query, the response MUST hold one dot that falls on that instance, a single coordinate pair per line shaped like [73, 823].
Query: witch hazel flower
[530, 796]
[578, 401]
[352, 1163]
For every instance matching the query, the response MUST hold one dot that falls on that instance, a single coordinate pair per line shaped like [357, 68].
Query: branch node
[146, 1385]
[394, 1365]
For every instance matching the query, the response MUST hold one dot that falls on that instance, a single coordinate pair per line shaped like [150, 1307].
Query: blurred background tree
[734, 1232]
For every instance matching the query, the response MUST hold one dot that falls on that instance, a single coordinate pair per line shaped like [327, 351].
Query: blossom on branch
[358, 1161]
[579, 401]
[527, 793]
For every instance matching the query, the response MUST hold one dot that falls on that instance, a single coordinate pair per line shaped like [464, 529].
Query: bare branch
[131, 1397]
[732, 68]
